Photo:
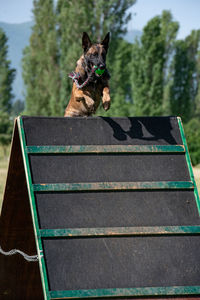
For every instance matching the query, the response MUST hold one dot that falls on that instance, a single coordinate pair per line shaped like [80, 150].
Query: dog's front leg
[106, 97]
[85, 98]
[78, 94]
[89, 102]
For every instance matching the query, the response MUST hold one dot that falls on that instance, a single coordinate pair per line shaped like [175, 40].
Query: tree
[184, 77]
[73, 17]
[45, 69]
[5, 130]
[6, 75]
[6, 78]
[40, 63]
[192, 132]
[121, 101]
[197, 97]
[17, 107]
[97, 17]
[149, 63]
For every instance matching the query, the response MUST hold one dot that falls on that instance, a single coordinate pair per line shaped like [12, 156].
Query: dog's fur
[85, 101]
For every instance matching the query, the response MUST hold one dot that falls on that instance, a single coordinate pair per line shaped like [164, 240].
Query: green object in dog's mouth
[99, 71]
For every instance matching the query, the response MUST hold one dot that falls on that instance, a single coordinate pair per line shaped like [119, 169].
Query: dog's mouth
[98, 71]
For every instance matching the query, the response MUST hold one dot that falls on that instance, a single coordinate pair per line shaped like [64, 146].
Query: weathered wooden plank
[108, 186]
[120, 231]
[126, 292]
[89, 149]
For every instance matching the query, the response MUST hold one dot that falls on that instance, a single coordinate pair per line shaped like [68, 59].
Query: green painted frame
[134, 292]
[119, 231]
[112, 186]
[106, 149]
[38, 239]
[189, 163]
[114, 231]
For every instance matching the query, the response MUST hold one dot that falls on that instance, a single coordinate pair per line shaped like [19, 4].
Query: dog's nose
[102, 66]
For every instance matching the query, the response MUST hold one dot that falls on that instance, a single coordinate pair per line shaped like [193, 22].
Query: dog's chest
[94, 90]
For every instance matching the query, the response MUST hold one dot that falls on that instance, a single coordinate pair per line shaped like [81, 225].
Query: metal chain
[15, 251]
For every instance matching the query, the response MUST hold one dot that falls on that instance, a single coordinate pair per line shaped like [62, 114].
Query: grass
[3, 171]
[4, 166]
[196, 171]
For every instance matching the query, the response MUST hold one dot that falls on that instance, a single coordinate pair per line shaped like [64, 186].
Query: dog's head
[95, 54]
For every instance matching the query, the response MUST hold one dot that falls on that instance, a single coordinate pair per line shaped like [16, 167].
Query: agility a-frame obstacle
[113, 210]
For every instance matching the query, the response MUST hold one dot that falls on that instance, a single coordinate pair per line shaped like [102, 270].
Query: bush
[5, 130]
[192, 132]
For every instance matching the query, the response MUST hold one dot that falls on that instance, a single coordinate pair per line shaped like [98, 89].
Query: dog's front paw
[90, 104]
[106, 105]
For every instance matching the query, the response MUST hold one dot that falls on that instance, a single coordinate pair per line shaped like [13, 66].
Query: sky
[186, 12]
[16, 11]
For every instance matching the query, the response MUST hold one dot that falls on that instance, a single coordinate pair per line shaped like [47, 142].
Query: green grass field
[4, 166]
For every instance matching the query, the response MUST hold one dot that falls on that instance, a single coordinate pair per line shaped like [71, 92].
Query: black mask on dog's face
[95, 54]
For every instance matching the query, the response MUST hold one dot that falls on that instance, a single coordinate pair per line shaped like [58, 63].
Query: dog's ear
[105, 41]
[86, 43]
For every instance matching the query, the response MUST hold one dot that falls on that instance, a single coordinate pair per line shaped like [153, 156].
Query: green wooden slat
[127, 292]
[105, 149]
[188, 160]
[120, 231]
[38, 241]
[110, 186]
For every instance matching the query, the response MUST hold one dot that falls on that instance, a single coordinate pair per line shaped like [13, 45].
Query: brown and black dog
[89, 86]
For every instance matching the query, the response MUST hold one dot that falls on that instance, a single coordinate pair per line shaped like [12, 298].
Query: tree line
[156, 74]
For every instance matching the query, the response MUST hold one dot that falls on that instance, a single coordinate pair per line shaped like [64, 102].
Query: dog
[90, 79]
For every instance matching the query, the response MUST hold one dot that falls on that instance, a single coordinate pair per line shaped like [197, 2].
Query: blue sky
[186, 12]
[15, 11]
